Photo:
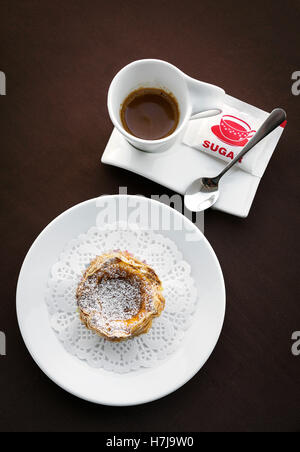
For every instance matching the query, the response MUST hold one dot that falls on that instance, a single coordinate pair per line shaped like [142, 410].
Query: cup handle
[206, 114]
[206, 99]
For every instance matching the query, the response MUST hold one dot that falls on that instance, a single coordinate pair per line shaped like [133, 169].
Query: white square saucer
[179, 166]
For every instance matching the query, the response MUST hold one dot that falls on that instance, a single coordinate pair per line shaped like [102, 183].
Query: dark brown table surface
[59, 58]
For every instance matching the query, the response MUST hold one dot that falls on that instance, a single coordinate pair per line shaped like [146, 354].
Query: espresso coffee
[150, 113]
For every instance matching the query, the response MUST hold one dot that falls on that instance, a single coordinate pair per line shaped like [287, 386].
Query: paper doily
[167, 331]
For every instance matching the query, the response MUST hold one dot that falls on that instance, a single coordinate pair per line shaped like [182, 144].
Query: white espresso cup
[193, 97]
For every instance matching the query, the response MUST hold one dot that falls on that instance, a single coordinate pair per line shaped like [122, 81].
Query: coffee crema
[150, 113]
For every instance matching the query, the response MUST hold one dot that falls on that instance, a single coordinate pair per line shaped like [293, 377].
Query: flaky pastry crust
[118, 296]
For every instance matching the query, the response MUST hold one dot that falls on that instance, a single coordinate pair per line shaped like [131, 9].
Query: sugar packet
[223, 136]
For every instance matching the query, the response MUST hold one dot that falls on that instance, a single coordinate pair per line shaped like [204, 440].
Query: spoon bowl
[201, 194]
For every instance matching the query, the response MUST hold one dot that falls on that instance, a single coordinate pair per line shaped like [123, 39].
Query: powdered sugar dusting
[112, 297]
[116, 299]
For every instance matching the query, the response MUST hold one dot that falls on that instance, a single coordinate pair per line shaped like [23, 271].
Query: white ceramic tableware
[99, 385]
[194, 97]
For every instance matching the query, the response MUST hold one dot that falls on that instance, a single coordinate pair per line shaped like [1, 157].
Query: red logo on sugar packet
[233, 131]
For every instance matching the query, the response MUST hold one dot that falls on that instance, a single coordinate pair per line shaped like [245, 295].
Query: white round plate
[98, 385]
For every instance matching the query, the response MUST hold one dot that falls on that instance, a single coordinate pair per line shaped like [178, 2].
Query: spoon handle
[276, 117]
